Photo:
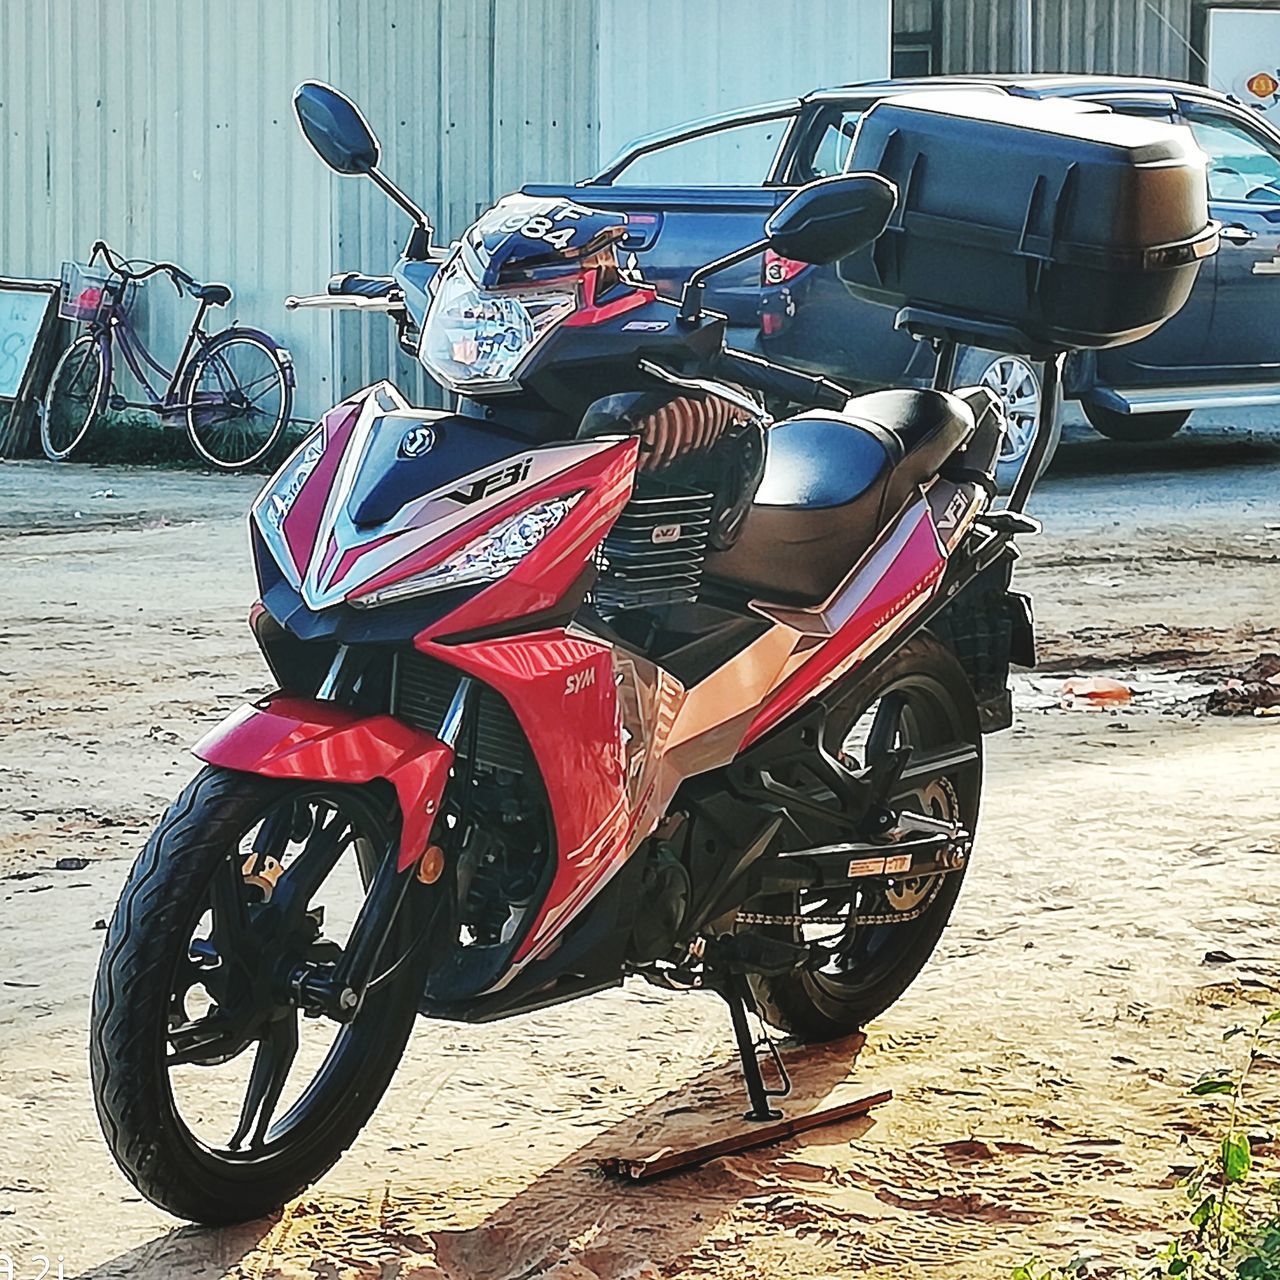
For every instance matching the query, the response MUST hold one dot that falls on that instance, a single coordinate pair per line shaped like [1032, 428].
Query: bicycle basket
[88, 293]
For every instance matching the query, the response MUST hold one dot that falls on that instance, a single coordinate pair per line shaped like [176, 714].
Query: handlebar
[353, 284]
[351, 290]
[776, 380]
[122, 267]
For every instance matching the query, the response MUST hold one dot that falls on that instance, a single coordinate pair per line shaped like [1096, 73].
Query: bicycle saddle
[216, 295]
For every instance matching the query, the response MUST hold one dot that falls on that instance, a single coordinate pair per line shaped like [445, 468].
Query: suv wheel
[1135, 428]
[1017, 380]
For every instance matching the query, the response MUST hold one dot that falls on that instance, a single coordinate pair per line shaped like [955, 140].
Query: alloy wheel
[1017, 384]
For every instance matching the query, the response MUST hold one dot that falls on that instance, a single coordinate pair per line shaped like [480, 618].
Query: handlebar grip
[354, 284]
[773, 379]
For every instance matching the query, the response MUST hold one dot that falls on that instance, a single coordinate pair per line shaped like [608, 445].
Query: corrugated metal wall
[1127, 37]
[165, 129]
[666, 61]
[469, 101]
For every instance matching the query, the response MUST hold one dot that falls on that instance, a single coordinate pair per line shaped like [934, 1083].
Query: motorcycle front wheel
[874, 940]
[218, 1099]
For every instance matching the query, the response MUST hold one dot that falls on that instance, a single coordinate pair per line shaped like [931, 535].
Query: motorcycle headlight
[486, 558]
[477, 339]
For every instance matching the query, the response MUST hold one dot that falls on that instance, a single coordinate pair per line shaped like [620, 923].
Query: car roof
[1035, 86]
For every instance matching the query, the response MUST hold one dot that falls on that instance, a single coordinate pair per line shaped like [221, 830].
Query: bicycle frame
[119, 330]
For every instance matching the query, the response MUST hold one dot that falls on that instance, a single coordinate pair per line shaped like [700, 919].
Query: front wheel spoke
[196, 1042]
[271, 1065]
[308, 870]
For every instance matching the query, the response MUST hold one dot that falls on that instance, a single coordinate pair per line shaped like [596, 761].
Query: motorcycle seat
[832, 483]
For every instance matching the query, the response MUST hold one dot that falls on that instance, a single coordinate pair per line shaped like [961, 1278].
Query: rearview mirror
[831, 218]
[336, 130]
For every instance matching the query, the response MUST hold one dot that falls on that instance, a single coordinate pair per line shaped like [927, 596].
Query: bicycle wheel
[75, 395]
[238, 392]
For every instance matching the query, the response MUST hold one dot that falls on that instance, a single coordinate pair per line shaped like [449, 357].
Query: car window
[834, 144]
[738, 156]
[1148, 104]
[1244, 164]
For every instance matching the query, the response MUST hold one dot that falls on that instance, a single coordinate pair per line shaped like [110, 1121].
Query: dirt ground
[1039, 1065]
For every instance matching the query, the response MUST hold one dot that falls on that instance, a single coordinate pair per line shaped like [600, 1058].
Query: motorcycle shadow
[572, 1221]
[575, 1221]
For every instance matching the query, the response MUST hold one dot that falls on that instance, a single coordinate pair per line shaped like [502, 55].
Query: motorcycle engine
[502, 820]
[700, 467]
[501, 859]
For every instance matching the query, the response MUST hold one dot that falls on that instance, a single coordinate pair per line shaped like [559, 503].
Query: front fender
[307, 740]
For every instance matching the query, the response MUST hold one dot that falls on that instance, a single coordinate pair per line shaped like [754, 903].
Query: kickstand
[737, 994]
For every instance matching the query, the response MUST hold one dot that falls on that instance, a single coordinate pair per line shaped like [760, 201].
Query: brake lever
[344, 302]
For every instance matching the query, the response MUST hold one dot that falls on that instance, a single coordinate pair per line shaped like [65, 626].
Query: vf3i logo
[495, 482]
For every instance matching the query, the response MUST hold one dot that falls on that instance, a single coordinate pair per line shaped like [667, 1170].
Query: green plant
[1232, 1229]
[1228, 1235]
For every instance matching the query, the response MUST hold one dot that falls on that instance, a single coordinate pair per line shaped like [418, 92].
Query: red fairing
[562, 690]
[300, 526]
[591, 313]
[914, 569]
[300, 738]
[545, 575]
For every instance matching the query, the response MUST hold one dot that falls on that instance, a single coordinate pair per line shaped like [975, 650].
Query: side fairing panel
[562, 690]
[615, 735]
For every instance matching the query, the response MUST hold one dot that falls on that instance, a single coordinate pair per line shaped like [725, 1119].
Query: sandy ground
[1039, 1065]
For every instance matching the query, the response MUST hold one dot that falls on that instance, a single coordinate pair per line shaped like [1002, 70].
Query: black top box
[1031, 225]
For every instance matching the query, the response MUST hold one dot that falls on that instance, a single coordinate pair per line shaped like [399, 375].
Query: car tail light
[778, 270]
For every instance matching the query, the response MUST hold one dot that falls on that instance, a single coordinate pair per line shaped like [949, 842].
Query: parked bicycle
[234, 388]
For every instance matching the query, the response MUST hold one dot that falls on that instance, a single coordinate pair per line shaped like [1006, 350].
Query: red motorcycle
[603, 674]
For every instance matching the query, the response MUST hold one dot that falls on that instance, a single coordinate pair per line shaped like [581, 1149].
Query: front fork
[339, 992]
[318, 740]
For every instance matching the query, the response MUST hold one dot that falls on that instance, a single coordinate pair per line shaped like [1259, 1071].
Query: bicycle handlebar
[122, 267]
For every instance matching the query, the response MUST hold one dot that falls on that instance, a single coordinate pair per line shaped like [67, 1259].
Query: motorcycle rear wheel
[191, 878]
[871, 965]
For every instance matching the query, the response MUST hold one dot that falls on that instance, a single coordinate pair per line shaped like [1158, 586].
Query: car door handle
[1238, 235]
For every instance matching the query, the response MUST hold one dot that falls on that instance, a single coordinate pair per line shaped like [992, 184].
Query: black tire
[75, 395]
[239, 394]
[1135, 428]
[815, 1006]
[1017, 380]
[149, 934]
